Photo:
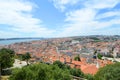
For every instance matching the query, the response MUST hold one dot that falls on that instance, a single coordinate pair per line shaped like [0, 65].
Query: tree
[76, 72]
[89, 77]
[6, 58]
[95, 52]
[72, 71]
[59, 64]
[26, 57]
[109, 72]
[40, 72]
[77, 58]
[99, 56]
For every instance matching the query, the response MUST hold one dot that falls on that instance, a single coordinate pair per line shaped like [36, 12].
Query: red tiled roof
[91, 69]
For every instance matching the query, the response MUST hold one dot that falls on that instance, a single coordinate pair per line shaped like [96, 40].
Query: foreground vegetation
[41, 71]
[6, 60]
[109, 72]
[60, 71]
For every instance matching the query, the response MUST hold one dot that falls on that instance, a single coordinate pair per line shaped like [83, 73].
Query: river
[7, 42]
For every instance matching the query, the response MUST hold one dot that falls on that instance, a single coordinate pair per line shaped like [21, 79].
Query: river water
[7, 42]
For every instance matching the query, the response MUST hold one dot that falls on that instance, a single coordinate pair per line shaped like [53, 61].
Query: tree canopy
[99, 56]
[76, 72]
[40, 72]
[72, 71]
[6, 58]
[109, 72]
[77, 58]
[26, 57]
[61, 65]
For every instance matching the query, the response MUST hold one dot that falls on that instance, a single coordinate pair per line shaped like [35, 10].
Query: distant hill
[97, 38]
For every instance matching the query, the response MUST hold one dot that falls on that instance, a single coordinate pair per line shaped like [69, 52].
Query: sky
[59, 18]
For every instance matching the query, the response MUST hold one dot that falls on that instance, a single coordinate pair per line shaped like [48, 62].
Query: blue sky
[59, 18]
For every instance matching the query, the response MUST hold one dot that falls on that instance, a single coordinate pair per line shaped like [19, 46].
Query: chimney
[98, 65]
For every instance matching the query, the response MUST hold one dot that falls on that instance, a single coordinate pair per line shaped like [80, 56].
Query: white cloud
[85, 21]
[17, 15]
[109, 14]
[101, 4]
[96, 4]
[61, 4]
[82, 15]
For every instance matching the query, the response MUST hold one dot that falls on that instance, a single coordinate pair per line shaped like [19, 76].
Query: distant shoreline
[17, 40]
[96, 38]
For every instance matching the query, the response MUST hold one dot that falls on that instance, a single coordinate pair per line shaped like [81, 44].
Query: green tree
[26, 57]
[77, 58]
[59, 64]
[76, 72]
[72, 71]
[89, 77]
[6, 58]
[40, 72]
[99, 56]
[109, 72]
[95, 52]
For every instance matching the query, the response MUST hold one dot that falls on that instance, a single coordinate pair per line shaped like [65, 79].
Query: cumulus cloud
[17, 14]
[87, 20]
[96, 4]
[61, 4]
[109, 14]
